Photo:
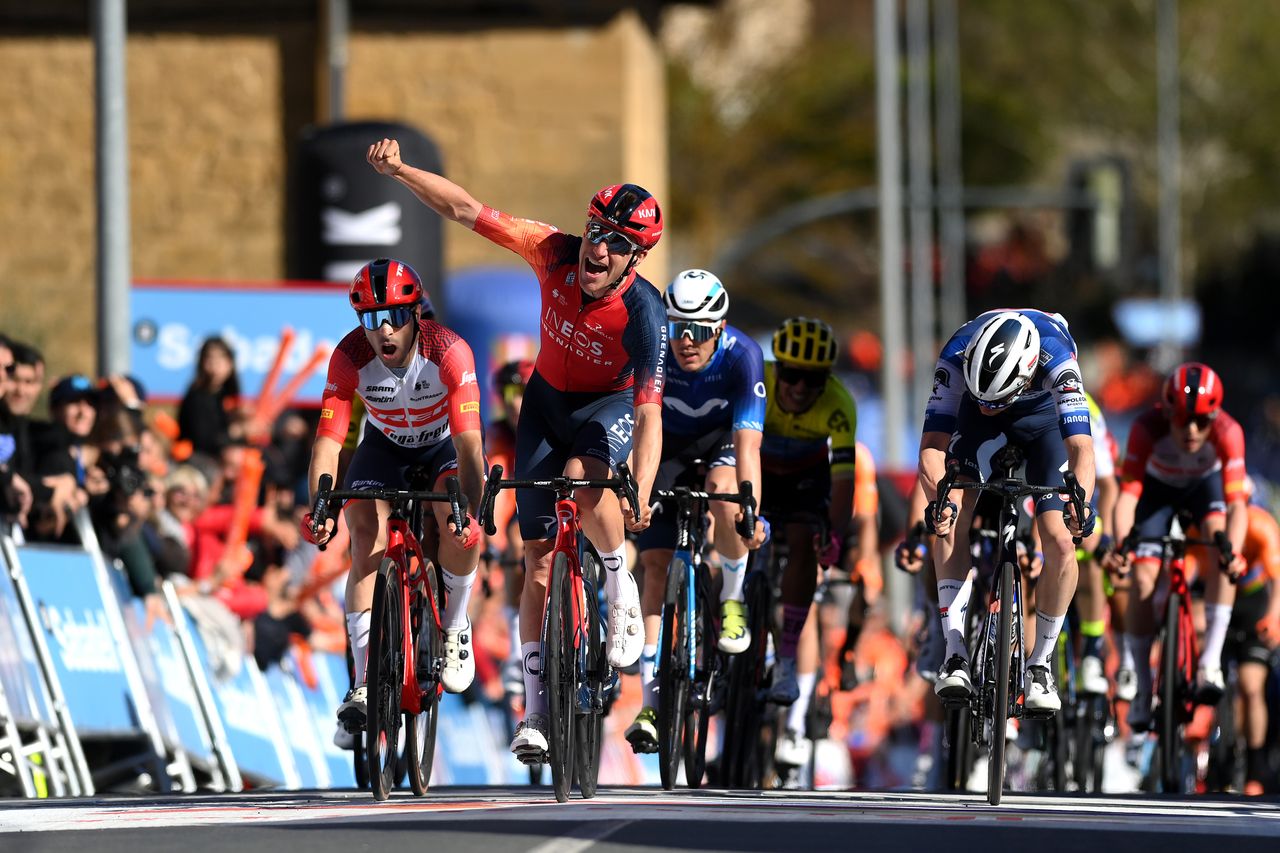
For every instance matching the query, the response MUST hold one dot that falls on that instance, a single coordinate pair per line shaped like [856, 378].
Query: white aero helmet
[1001, 358]
[697, 296]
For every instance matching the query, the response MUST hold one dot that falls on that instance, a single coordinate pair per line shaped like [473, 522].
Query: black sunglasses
[801, 376]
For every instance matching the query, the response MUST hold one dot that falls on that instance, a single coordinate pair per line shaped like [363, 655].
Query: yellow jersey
[824, 434]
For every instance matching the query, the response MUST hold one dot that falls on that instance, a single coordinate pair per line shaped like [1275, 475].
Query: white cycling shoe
[1210, 685]
[626, 628]
[530, 743]
[1042, 695]
[354, 709]
[1091, 679]
[793, 749]
[459, 662]
[1126, 685]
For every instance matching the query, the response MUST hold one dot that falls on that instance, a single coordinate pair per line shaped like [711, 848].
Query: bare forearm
[746, 447]
[441, 195]
[646, 448]
[933, 462]
[324, 460]
[1126, 505]
[1237, 524]
[470, 452]
[1108, 494]
[1080, 462]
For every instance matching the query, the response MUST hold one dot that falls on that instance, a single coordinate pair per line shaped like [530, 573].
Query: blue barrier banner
[299, 728]
[332, 680]
[19, 667]
[72, 613]
[241, 711]
[170, 321]
[164, 672]
[467, 747]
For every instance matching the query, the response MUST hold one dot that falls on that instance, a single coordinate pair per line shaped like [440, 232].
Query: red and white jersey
[1153, 452]
[436, 396]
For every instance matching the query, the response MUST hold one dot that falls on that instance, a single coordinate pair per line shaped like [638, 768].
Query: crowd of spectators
[159, 493]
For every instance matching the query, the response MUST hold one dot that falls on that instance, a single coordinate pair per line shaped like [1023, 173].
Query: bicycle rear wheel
[708, 681]
[1170, 736]
[959, 748]
[420, 728]
[590, 725]
[673, 673]
[743, 714]
[385, 679]
[1000, 692]
[560, 675]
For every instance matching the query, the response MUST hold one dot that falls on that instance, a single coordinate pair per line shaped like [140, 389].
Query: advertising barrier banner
[19, 668]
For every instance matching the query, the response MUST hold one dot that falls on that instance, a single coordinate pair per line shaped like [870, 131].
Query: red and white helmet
[630, 210]
[385, 283]
[1192, 389]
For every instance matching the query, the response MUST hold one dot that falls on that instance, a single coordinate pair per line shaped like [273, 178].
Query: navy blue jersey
[727, 392]
[1057, 374]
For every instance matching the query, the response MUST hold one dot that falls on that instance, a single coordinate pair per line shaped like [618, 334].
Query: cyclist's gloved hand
[1088, 525]
[829, 553]
[910, 557]
[310, 533]
[1105, 546]
[930, 517]
[470, 532]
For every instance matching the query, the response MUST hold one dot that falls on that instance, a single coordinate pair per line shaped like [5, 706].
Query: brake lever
[320, 512]
[487, 499]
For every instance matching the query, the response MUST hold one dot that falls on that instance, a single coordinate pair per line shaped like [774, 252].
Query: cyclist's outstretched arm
[933, 461]
[746, 447]
[646, 448]
[324, 460]
[470, 450]
[1080, 462]
[435, 191]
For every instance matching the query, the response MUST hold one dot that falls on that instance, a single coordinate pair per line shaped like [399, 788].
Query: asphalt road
[636, 819]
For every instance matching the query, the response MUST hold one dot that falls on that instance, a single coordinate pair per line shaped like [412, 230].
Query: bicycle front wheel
[560, 667]
[673, 673]
[707, 683]
[589, 725]
[420, 728]
[385, 679]
[1000, 693]
[1170, 698]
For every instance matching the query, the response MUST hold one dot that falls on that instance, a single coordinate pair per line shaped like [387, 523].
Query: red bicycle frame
[401, 544]
[568, 543]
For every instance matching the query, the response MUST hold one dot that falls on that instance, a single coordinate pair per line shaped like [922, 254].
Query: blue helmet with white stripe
[697, 296]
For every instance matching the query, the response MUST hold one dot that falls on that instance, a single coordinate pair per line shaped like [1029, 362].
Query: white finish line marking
[581, 837]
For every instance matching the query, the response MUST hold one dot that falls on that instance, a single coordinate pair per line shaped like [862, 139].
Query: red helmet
[1193, 389]
[630, 210]
[385, 283]
[512, 373]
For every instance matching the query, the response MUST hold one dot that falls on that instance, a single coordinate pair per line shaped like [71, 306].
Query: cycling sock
[793, 618]
[1047, 630]
[1092, 632]
[358, 625]
[455, 605]
[800, 708]
[1217, 617]
[1124, 647]
[953, 616]
[535, 701]
[615, 564]
[732, 571]
[648, 681]
[512, 615]
[1141, 647]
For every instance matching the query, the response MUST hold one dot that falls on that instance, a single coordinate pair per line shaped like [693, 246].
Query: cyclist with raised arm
[1184, 454]
[595, 397]
[417, 381]
[808, 459]
[1010, 373]
[712, 412]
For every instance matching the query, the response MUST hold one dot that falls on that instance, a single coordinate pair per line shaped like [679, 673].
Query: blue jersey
[1058, 374]
[728, 392]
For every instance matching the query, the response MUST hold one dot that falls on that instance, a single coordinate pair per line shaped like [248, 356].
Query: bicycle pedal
[532, 757]
[1029, 714]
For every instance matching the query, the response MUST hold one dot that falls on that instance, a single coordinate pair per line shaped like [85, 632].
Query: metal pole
[920, 163]
[111, 118]
[1170, 155]
[888, 145]
[946, 42]
[337, 31]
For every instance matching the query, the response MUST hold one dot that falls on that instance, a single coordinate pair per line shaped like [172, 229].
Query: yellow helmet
[805, 342]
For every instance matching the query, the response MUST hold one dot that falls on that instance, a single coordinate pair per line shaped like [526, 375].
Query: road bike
[406, 640]
[574, 663]
[690, 667]
[1175, 679]
[1000, 654]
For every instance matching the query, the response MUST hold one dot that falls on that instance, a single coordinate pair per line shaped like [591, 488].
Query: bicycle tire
[561, 678]
[743, 715]
[589, 725]
[1083, 744]
[673, 674]
[957, 746]
[385, 679]
[698, 716]
[420, 728]
[1170, 746]
[1000, 700]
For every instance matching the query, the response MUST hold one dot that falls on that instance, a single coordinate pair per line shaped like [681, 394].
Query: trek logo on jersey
[468, 377]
